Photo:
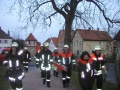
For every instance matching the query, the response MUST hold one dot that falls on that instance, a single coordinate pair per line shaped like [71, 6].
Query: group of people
[89, 66]
[45, 59]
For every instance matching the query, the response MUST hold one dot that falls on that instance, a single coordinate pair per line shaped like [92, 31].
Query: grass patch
[76, 86]
[4, 84]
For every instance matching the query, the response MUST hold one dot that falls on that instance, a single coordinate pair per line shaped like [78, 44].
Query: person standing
[14, 72]
[85, 71]
[46, 57]
[67, 60]
[99, 63]
[37, 60]
[37, 57]
[56, 59]
[26, 57]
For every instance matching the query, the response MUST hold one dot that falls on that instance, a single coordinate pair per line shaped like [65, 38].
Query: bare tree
[75, 13]
[117, 62]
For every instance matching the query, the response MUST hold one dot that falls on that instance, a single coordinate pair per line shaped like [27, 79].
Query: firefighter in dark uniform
[14, 72]
[46, 57]
[67, 61]
[99, 65]
[85, 71]
[57, 59]
[26, 57]
[38, 60]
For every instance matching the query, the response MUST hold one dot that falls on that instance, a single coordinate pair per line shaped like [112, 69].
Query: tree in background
[70, 13]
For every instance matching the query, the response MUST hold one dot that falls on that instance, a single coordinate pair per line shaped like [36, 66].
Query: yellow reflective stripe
[48, 57]
[27, 55]
[63, 60]
[4, 62]
[20, 52]
[48, 80]
[10, 63]
[67, 77]
[95, 59]
[43, 57]
[17, 63]
[103, 66]
[37, 59]
[19, 88]
[98, 72]
[82, 75]
[100, 58]
[63, 78]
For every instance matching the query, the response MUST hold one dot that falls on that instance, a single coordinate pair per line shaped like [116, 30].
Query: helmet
[25, 48]
[14, 44]
[46, 44]
[66, 46]
[97, 48]
[55, 48]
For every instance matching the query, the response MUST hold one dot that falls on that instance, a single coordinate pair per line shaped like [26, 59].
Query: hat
[66, 46]
[14, 44]
[25, 48]
[46, 44]
[97, 48]
[55, 48]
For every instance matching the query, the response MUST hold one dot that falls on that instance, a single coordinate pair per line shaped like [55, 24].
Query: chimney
[97, 29]
[8, 32]
[89, 28]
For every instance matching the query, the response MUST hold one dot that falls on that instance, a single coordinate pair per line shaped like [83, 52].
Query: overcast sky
[9, 21]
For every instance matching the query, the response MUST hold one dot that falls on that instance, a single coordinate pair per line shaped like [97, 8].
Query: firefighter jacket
[99, 63]
[86, 73]
[37, 56]
[56, 57]
[85, 68]
[67, 59]
[46, 57]
[25, 55]
[14, 71]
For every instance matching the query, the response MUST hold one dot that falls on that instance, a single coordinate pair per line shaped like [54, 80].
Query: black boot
[48, 84]
[67, 82]
[44, 80]
[56, 74]
[37, 65]
[64, 83]
[26, 69]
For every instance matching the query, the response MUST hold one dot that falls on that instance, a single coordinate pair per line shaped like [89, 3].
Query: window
[99, 42]
[6, 41]
[80, 42]
[77, 52]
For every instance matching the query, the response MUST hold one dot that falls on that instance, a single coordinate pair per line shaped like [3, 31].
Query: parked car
[3, 53]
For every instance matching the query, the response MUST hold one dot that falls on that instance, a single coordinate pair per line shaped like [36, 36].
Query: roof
[31, 38]
[55, 40]
[48, 40]
[117, 36]
[3, 35]
[94, 35]
[62, 33]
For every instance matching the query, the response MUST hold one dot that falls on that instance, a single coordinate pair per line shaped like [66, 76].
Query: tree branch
[57, 9]
[40, 5]
[106, 18]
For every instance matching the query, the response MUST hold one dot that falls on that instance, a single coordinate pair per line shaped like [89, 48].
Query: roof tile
[31, 37]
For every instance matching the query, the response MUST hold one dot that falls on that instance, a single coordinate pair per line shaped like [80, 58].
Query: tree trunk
[67, 38]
